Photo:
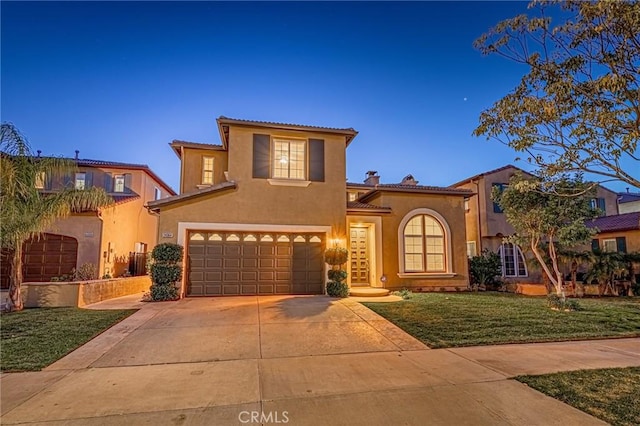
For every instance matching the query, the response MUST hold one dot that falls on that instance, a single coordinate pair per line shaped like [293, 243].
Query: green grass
[447, 320]
[34, 338]
[611, 394]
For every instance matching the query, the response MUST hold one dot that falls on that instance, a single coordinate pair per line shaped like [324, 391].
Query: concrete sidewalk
[309, 360]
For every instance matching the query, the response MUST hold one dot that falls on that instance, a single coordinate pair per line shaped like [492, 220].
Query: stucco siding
[87, 229]
[192, 167]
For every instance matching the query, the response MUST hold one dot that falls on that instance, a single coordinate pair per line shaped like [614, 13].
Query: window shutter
[261, 156]
[316, 160]
[127, 183]
[621, 244]
[108, 182]
[88, 180]
[602, 207]
[595, 246]
[68, 182]
[48, 181]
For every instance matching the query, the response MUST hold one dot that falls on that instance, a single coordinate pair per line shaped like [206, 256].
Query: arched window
[513, 263]
[424, 243]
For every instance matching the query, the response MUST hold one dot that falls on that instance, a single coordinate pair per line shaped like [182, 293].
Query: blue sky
[120, 80]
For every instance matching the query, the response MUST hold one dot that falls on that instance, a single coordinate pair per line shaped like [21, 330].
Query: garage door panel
[232, 263]
[236, 263]
[213, 263]
[213, 276]
[249, 263]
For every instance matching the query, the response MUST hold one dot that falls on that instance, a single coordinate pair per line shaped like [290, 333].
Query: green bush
[405, 293]
[86, 272]
[561, 303]
[337, 275]
[167, 253]
[165, 274]
[337, 289]
[485, 269]
[163, 292]
[336, 256]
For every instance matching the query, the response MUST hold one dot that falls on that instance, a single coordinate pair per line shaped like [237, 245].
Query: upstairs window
[40, 180]
[80, 181]
[599, 205]
[157, 194]
[118, 183]
[501, 187]
[207, 170]
[289, 159]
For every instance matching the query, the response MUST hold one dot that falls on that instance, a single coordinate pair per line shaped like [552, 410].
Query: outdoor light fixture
[383, 279]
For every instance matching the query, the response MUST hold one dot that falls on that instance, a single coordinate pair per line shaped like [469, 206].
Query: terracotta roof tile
[619, 222]
[156, 204]
[357, 205]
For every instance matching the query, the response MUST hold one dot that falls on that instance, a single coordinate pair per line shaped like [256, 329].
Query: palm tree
[574, 259]
[26, 212]
[605, 267]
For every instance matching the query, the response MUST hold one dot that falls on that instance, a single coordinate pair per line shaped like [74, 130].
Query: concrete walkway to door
[307, 360]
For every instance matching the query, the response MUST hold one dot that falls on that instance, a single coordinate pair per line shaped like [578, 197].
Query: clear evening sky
[120, 80]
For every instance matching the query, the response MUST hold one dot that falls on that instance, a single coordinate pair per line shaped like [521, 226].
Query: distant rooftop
[628, 197]
[619, 222]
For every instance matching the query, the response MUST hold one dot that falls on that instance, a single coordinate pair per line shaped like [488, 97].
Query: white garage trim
[183, 227]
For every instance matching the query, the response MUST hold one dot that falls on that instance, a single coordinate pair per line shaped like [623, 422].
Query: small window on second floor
[40, 179]
[353, 196]
[599, 205]
[81, 180]
[157, 194]
[501, 187]
[207, 170]
[118, 183]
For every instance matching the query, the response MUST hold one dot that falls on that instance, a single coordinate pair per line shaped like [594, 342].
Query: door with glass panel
[359, 250]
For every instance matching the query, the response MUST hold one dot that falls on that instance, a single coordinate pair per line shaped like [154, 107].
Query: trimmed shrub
[168, 253]
[163, 292]
[86, 272]
[165, 274]
[561, 303]
[337, 275]
[485, 269]
[336, 256]
[337, 289]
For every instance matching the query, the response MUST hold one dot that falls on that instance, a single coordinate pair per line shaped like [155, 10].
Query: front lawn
[34, 338]
[611, 394]
[443, 320]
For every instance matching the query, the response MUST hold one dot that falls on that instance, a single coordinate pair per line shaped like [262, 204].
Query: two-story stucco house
[256, 212]
[104, 238]
[487, 226]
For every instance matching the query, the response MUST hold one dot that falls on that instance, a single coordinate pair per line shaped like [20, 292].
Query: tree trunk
[15, 280]
[574, 277]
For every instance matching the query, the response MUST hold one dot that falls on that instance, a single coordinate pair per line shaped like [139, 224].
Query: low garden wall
[81, 293]
[540, 290]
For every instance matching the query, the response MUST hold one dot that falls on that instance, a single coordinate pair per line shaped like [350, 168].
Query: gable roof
[357, 206]
[156, 204]
[618, 222]
[176, 145]
[490, 172]
[225, 122]
[85, 162]
[628, 197]
[416, 189]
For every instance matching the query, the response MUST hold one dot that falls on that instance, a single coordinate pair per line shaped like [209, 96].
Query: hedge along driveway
[34, 338]
[450, 320]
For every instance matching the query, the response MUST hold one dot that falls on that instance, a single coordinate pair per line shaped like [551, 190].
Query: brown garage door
[43, 257]
[245, 263]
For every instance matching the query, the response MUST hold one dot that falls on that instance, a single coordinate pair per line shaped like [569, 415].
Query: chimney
[372, 178]
[40, 152]
[409, 180]
[77, 152]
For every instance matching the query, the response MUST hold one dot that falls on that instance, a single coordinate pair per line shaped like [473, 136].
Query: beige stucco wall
[191, 173]
[631, 207]
[78, 294]
[610, 200]
[87, 229]
[448, 206]
[632, 239]
[256, 201]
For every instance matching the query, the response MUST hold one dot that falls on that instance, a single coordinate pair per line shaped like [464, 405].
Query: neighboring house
[106, 237]
[256, 213]
[617, 233]
[487, 226]
[628, 202]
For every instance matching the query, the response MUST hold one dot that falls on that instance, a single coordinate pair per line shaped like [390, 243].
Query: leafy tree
[605, 268]
[578, 107]
[484, 269]
[574, 259]
[25, 211]
[546, 221]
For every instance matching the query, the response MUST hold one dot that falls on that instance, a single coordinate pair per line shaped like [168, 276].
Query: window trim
[305, 162]
[604, 245]
[40, 180]
[448, 267]
[76, 180]
[474, 244]
[204, 170]
[157, 193]
[516, 262]
[115, 185]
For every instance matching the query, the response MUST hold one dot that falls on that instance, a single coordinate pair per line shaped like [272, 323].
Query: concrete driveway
[306, 360]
